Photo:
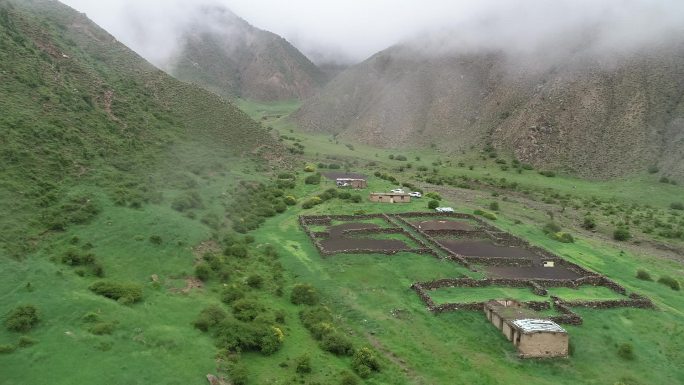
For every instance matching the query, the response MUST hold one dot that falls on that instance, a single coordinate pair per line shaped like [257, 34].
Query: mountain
[83, 115]
[596, 116]
[224, 54]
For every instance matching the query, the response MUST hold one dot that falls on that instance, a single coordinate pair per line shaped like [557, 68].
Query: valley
[162, 232]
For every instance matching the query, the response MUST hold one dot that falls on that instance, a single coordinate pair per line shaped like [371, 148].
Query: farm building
[351, 183]
[534, 337]
[390, 197]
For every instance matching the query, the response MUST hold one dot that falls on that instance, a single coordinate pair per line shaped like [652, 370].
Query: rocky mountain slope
[599, 117]
[228, 56]
[79, 108]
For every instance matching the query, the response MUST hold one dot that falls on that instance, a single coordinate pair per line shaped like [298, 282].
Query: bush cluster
[252, 204]
[364, 362]
[313, 179]
[485, 214]
[304, 294]
[82, 259]
[670, 282]
[22, 318]
[621, 234]
[643, 275]
[124, 292]
[318, 320]
[254, 330]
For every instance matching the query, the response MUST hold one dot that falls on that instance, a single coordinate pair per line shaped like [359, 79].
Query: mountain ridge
[543, 115]
[225, 54]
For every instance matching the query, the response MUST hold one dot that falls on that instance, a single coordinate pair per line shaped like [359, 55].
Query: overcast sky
[352, 30]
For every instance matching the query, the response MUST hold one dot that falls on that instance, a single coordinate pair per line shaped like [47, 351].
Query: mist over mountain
[226, 55]
[595, 91]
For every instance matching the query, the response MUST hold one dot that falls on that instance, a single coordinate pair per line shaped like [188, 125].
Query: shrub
[187, 201]
[285, 175]
[309, 168]
[303, 364]
[236, 250]
[356, 198]
[336, 343]
[669, 281]
[643, 275]
[202, 271]
[653, 169]
[433, 204]
[236, 336]
[344, 195]
[548, 174]
[664, 179]
[563, 237]
[290, 200]
[677, 206]
[626, 351]
[400, 157]
[125, 292]
[589, 223]
[494, 206]
[247, 309]
[255, 281]
[347, 378]
[434, 196]
[232, 293]
[155, 239]
[26, 341]
[551, 228]
[7, 348]
[238, 373]
[211, 316]
[490, 216]
[364, 362]
[304, 294]
[22, 319]
[313, 179]
[102, 328]
[621, 234]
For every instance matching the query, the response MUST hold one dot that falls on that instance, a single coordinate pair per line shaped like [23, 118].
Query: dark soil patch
[337, 241]
[337, 231]
[445, 225]
[341, 174]
[531, 272]
[485, 248]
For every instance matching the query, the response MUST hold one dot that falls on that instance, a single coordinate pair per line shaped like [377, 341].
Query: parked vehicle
[415, 194]
[444, 210]
[398, 191]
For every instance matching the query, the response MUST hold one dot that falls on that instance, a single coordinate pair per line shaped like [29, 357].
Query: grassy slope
[461, 346]
[130, 155]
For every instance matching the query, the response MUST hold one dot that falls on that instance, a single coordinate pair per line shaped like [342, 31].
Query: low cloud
[350, 31]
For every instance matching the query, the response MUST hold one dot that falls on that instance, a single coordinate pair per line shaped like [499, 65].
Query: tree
[433, 204]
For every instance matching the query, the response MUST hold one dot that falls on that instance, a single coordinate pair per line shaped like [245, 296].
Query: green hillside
[83, 115]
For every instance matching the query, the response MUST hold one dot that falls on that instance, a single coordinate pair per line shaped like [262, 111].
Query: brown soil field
[445, 225]
[337, 241]
[485, 248]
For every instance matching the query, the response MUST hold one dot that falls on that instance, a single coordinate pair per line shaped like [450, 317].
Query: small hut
[533, 337]
[390, 197]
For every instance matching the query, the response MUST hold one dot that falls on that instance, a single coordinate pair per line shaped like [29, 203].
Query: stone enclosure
[506, 260]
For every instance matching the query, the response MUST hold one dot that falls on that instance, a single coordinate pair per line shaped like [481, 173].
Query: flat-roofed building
[532, 336]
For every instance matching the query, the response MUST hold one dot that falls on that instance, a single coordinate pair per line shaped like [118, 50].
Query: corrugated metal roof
[529, 325]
